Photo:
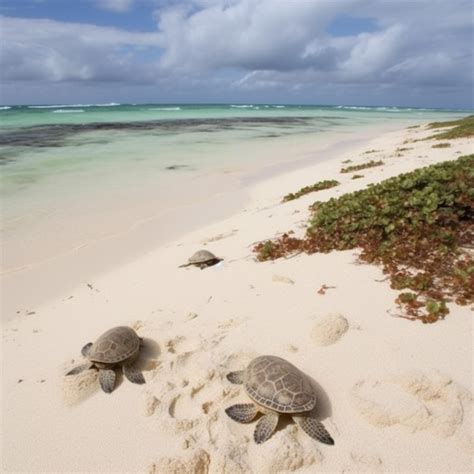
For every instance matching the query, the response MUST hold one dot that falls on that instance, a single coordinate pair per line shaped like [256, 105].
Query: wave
[242, 106]
[65, 111]
[353, 107]
[5, 107]
[279, 106]
[111, 104]
[63, 106]
[165, 108]
[383, 108]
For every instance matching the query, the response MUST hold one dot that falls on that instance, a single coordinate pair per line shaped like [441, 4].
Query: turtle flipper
[314, 428]
[265, 427]
[85, 349]
[236, 377]
[184, 265]
[80, 368]
[242, 412]
[107, 380]
[133, 374]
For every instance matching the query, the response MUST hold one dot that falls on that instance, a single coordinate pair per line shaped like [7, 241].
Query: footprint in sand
[418, 401]
[218, 237]
[151, 404]
[364, 463]
[329, 329]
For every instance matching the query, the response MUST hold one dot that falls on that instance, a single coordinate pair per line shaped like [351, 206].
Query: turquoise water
[47, 148]
[22, 116]
[38, 141]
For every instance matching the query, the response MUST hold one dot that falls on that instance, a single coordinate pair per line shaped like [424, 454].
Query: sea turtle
[202, 259]
[118, 346]
[276, 386]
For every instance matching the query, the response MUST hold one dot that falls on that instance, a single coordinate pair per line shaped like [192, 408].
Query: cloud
[269, 40]
[48, 50]
[252, 46]
[115, 5]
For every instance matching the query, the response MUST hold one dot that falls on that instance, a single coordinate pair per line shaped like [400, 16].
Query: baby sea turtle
[202, 259]
[117, 347]
[276, 386]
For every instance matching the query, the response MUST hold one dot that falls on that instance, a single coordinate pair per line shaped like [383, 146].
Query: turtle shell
[276, 384]
[202, 256]
[114, 346]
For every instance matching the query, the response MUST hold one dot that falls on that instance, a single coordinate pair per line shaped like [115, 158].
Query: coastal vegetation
[357, 176]
[418, 226]
[326, 184]
[362, 166]
[441, 145]
[462, 128]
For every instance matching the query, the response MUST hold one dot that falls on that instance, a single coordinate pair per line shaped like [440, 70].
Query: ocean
[76, 176]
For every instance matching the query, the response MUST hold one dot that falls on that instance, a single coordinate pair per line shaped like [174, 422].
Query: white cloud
[270, 39]
[53, 51]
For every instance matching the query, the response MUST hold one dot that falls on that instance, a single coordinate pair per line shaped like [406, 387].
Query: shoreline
[119, 246]
[406, 410]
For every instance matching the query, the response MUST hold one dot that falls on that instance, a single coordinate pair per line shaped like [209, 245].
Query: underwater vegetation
[362, 166]
[326, 184]
[418, 226]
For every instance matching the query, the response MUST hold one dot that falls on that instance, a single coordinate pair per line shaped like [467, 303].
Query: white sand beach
[395, 395]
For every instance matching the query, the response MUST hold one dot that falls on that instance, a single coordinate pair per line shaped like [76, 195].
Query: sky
[335, 52]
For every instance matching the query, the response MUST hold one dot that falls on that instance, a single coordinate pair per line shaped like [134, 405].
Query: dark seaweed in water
[41, 136]
[176, 167]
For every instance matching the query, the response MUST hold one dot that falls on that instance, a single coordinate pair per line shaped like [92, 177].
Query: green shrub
[415, 225]
[460, 128]
[310, 189]
[363, 166]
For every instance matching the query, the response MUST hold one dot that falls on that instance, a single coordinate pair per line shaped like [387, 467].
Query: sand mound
[329, 329]
[418, 401]
[77, 388]
[289, 454]
[195, 463]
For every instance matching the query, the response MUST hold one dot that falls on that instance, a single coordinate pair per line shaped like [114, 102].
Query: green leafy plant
[363, 166]
[416, 226]
[357, 176]
[310, 189]
[459, 128]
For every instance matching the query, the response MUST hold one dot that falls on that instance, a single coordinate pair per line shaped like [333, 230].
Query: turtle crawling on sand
[118, 346]
[276, 387]
[202, 259]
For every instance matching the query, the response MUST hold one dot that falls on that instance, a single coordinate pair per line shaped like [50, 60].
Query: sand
[395, 395]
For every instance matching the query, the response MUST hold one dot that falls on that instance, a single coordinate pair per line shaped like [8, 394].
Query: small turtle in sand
[116, 347]
[202, 259]
[276, 386]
